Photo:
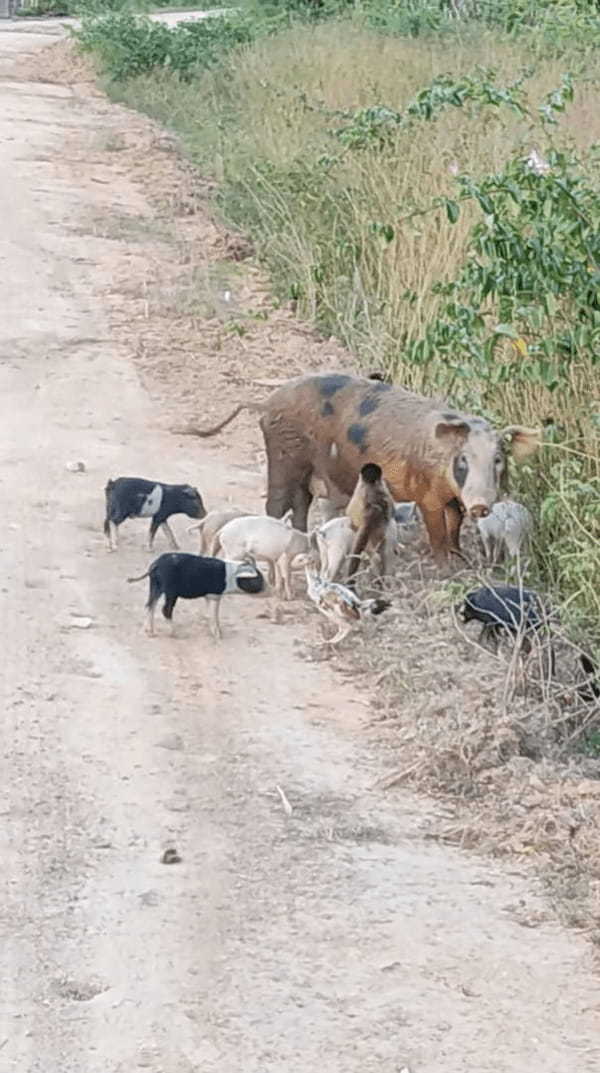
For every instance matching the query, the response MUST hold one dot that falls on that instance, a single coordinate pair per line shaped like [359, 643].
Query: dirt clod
[170, 856]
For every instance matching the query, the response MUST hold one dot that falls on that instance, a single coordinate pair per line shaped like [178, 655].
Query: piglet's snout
[479, 511]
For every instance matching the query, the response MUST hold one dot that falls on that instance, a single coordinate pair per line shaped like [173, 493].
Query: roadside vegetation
[36, 9]
[422, 180]
[422, 183]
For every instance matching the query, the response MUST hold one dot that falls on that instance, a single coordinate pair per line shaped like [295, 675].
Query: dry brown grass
[502, 744]
[285, 90]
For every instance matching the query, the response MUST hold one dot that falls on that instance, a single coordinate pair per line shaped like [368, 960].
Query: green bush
[128, 45]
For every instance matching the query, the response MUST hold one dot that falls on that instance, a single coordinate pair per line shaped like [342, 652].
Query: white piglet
[507, 527]
[333, 541]
[267, 540]
[211, 525]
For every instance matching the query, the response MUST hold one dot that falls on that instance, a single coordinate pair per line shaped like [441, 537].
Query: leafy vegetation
[87, 8]
[128, 44]
[422, 178]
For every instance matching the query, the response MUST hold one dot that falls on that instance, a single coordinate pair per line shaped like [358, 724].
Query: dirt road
[335, 939]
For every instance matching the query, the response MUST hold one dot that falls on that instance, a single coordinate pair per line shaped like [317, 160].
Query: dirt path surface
[337, 938]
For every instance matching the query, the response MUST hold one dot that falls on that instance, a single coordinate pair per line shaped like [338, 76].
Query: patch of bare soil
[60, 64]
[494, 742]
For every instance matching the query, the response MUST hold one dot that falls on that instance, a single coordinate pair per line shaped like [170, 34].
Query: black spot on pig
[328, 385]
[327, 410]
[368, 405]
[357, 434]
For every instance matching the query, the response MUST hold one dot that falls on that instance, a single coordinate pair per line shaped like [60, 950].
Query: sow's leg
[435, 524]
[453, 517]
[288, 472]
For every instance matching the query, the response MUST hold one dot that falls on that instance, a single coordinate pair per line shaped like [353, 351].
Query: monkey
[370, 510]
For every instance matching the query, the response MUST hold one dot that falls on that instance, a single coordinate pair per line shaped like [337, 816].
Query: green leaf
[453, 211]
[486, 204]
[506, 329]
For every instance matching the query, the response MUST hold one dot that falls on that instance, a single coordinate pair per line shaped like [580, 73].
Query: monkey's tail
[191, 430]
[140, 578]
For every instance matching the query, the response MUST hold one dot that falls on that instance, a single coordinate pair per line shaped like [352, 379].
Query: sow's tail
[191, 430]
[130, 580]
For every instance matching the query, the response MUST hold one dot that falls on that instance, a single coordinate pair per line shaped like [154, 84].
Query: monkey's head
[371, 473]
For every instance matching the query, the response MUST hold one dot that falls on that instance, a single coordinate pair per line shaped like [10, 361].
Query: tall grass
[341, 203]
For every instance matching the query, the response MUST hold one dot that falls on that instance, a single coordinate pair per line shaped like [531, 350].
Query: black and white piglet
[134, 497]
[502, 609]
[179, 575]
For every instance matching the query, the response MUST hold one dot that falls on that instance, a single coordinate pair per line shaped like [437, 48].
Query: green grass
[337, 148]
[38, 8]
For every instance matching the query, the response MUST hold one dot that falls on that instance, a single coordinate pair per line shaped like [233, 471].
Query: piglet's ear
[453, 429]
[521, 442]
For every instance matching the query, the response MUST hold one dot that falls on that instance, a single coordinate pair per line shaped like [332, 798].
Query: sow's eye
[498, 461]
[461, 470]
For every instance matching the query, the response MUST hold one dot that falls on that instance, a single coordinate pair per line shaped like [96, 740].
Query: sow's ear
[452, 428]
[521, 442]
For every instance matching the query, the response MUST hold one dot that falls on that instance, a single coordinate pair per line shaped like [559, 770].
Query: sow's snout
[479, 511]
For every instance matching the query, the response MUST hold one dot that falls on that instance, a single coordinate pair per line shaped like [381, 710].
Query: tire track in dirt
[336, 937]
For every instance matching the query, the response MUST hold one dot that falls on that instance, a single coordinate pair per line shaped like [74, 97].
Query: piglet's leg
[285, 568]
[152, 533]
[279, 580]
[113, 536]
[214, 605]
[170, 535]
[453, 517]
